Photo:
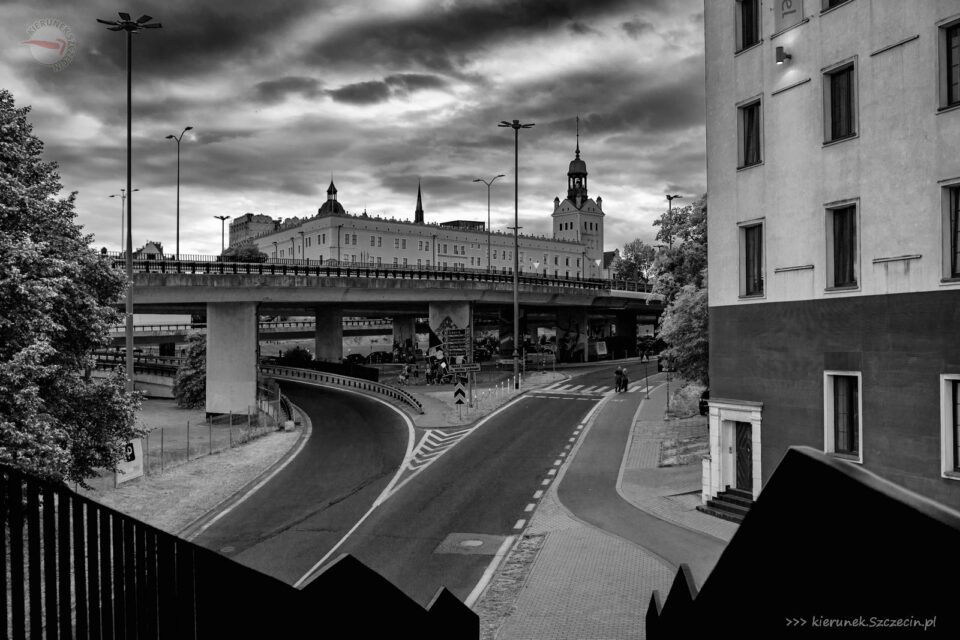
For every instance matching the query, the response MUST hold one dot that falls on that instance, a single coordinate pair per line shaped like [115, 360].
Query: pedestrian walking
[619, 376]
[624, 380]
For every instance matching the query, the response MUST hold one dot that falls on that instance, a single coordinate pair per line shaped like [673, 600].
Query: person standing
[624, 380]
[619, 377]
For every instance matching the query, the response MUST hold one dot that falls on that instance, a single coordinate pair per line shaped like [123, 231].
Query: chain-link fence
[169, 446]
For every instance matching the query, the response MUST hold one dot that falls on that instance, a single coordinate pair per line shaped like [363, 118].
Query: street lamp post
[516, 126]
[670, 199]
[222, 219]
[488, 212]
[125, 23]
[178, 138]
[123, 196]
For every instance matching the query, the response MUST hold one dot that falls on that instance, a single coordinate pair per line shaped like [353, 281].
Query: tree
[190, 383]
[684, 326]
[683, 260]
[244, 253]
[56, 307]
[296, 356]
[635, 262]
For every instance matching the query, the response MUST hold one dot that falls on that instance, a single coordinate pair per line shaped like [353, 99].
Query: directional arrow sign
[459, 393]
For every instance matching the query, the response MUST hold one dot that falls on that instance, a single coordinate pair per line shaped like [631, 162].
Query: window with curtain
[842, 121]
[846, 419]
[753, 260]
[954, 232]
[845, 246]
[953, 64]
[750, 134]
[748, 23]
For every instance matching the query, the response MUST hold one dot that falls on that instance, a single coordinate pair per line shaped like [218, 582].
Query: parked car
[704, 402]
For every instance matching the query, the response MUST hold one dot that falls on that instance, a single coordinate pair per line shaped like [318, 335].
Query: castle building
[334, 236]
[833, 168]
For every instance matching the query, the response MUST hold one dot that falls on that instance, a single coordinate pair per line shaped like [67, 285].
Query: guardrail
[293, 373]
[215, 265]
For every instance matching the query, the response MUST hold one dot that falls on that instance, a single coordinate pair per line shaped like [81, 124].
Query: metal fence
[295, 374]
[73, 568]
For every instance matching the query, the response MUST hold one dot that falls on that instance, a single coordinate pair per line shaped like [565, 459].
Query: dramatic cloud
[377, 96]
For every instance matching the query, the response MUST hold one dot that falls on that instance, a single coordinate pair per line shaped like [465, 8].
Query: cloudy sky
[377, 95]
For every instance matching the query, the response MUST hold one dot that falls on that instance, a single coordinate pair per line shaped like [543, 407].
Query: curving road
[356, 447]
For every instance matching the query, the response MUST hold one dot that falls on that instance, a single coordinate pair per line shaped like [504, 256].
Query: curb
[195, 528]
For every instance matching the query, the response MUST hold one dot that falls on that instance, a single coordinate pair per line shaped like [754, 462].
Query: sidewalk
[565, 578]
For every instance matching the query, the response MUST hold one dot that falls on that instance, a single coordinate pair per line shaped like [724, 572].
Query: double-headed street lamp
[125, 23]
[516, 126]
[222, 219]
[492, 180]
[123, 196]
[177, 138]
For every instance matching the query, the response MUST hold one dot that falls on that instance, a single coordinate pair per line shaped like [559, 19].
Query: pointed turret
[418, 214]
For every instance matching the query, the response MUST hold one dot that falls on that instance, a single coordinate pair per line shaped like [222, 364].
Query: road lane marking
[557, 463]
[519, 524]
[530, 507]
[545, 482]
[552, 472]
[537, 494]
[488, 574]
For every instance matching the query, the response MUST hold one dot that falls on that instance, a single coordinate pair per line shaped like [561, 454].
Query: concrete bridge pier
[405, 332]
[231, 357]
[573, 330]
[328, 340]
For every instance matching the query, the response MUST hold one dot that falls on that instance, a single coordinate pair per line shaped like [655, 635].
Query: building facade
[833, 168]
[335, 236]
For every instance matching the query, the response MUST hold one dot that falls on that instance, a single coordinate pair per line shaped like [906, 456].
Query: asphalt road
[291, 522]
[476, 491]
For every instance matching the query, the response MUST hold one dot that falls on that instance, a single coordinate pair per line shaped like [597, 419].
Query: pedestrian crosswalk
[564, 388]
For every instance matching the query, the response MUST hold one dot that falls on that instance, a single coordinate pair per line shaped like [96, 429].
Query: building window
[404, 262]
[840, 103]
[403, 243]
[426, 246]
[842, 412]
[396, 261]
[379, 261]
[748, 23]
[373, 241]
[951, 229]
[420, 245]
[354, 238]
[428, 264]
[830, 4]
[419, 262]
[751, 259]
[842, 258]
[950, 425]
[556, 260]
[949, 64]
[379, 241]
[324, 238]
[396, 243]
[749, 131]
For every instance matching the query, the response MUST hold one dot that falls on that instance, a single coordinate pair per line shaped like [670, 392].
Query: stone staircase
[732, 504]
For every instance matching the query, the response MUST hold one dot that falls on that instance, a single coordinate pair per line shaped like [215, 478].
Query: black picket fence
[73, 568]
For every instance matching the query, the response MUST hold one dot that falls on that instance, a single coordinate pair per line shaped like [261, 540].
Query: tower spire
[418, 214]
[578, 135]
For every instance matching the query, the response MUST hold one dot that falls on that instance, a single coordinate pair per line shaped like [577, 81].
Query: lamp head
[782, 56]
[188, 129]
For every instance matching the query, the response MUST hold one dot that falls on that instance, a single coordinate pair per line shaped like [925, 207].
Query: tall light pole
[516, 126]
[670, 199]
[123, 196]
[492, 180]
[178, 138]
[131, 27]
[222, 219]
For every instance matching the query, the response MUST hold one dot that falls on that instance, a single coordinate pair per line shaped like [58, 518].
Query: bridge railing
[158, 365]
[293, 373]
[204, 265]
[73, 567]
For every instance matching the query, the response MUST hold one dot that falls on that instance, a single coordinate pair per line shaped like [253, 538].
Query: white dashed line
[530, 507]
[545, 482]
[552, 472]
[519, 524]
[557, 463]
[537, 494]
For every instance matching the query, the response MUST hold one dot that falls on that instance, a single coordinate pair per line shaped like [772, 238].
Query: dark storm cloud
[274, 91]
[415, 81]
[370, 92]
[580, 29]
[446, 38]
[636, 27]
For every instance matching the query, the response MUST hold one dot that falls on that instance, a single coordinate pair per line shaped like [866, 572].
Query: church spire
[578, 136]
[418, 214]
[577, 176]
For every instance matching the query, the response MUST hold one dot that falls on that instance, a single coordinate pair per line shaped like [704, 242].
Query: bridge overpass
[234, 295]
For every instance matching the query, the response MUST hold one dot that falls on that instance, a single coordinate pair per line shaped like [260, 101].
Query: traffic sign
[464, 368]
[459, 393]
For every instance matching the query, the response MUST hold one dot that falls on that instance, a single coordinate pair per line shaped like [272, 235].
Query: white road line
[576, 388]
[491, 569]
[562, 453]
[545, 482]
[557, 463]
[530, 507]
[572, 440]
[552, 472]
[519, 524]
[537, 494]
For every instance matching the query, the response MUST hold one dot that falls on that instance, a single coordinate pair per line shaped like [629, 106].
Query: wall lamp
[782, 56]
